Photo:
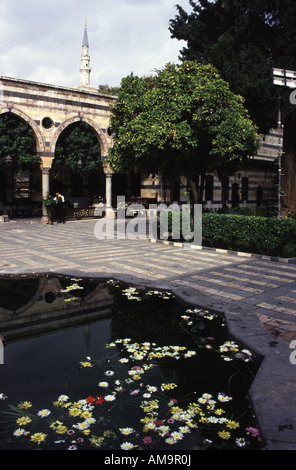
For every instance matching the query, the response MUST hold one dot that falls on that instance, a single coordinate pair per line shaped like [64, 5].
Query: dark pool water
[155, 374]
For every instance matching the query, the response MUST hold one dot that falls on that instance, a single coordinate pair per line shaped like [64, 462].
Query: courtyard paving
[257, 295]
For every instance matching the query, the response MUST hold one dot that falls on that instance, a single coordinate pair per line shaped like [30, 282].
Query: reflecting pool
[100, 365]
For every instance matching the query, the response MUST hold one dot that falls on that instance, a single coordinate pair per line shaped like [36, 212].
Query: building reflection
[36, 306]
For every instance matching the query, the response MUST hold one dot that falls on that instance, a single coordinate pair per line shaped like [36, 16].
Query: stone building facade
[50, 109]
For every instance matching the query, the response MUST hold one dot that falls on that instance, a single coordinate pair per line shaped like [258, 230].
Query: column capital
[46, 161]
[107, 169]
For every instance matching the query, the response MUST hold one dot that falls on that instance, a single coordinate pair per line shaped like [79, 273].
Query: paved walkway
[258, 295]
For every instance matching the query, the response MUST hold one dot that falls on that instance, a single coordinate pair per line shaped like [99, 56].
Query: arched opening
[77, 170]
[235, 195]
[209, 187]
[224, 190]
[19, 167]
[259, 196]
[245, 189]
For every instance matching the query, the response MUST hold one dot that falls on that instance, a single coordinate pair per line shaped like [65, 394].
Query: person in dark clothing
[59, 200]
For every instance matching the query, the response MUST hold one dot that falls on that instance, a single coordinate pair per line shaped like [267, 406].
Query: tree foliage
[17, 140]
[78, 141]
[244, 40]
[108, 89]
[183, 121]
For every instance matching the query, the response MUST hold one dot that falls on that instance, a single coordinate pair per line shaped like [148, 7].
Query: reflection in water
[30, 307]
[15, 293]
[151, 351]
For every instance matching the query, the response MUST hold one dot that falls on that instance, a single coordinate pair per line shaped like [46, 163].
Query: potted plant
[97, 201]
[49, 203]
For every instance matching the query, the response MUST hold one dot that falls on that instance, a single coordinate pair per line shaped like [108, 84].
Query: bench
[78, 213]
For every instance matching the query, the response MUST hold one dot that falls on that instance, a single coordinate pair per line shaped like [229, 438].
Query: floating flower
[109, 397]
[94, 400]
[254, 432]
[224, 434]
[63, 398]
[170, 441]
[147, 440]
[74, 412]
[190, 354]
[61, 429]
[126, 431]
[222, 397]
[103, 384]
[240, 442]
[127, 446]
[38, 437]
[177, 436]
[81, 426]
[232, 425]
[43, 413]
[169, 386]
[109, 373]
[24, 405]
[86, 364]
[23, 420]
[19, 432]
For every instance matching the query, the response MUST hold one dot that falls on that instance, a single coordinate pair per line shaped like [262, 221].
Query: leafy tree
[17, 139]
[183, 121]
[108, 90]
[244, 40]
[78, 141]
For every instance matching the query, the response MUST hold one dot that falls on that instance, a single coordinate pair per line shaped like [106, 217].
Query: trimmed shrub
[263, 235]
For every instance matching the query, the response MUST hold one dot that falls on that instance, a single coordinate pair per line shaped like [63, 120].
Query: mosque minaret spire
[85, 60]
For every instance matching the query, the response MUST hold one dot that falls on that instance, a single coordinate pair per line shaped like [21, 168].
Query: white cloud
[41, 41]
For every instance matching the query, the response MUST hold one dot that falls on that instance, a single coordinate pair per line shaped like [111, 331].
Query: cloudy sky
[41, 40]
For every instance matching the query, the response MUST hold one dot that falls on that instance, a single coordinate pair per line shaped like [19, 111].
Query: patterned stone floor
[257, 295]
[220, 279]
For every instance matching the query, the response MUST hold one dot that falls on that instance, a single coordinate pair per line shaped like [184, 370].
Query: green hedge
[253, 234]
[263, 235]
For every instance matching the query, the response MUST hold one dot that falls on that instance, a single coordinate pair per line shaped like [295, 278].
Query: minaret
[85, 60]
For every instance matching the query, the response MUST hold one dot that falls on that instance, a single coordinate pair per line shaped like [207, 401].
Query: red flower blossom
[97, 401]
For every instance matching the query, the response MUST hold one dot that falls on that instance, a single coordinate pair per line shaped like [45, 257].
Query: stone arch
[39, 137]
[28, 304]
[98, 131]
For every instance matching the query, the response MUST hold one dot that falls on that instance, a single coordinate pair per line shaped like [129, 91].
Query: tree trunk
[288, 182]
[193, 191]
[201, 188]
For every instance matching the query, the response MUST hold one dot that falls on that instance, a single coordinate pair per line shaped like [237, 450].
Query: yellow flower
[176, 409]
[86, 364]
[24, 405]
[23, 420]
[61, 429]
[168, 386]
[191, 424]
[136, 377]
[38, 437]
[74, 411]
[96, 441]
[61, 403]
[203, 419]
[224, 434]
[232, 424]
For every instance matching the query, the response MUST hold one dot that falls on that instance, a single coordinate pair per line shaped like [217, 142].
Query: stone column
[108, 191]
[46, 163]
